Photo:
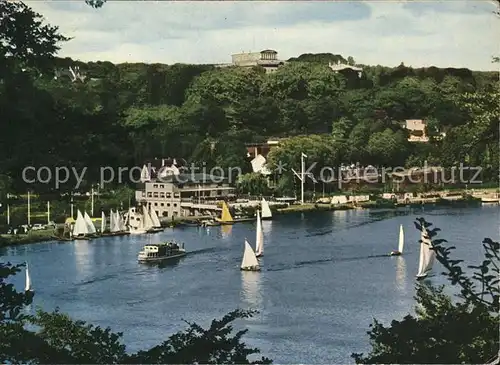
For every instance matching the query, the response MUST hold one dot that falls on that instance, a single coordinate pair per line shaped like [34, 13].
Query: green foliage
[122, 114]
[444, 330]
[253, 184]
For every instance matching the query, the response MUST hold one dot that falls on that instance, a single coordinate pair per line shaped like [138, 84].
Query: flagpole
[8, 209]
[29, 209]
[92, 202]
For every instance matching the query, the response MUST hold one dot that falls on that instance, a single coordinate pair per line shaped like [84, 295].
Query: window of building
[162, 186]
[161, 204]
[176, 195]
[155, 195]
[165, 214]
[175, 205]
[169, 195]
[168, 204]
[156, 204]
[155, 185]
[162, 195]
[150, 195]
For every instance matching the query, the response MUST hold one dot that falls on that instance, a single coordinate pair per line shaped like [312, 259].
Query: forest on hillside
[123, 114]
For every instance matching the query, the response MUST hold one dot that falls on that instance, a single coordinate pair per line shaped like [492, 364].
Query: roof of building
[193, 178]
[268, 51]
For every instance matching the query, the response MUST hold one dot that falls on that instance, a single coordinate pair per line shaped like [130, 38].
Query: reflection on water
[251, 289]
[401, 274]
[267, 226]
[81, 251]
[226, 231]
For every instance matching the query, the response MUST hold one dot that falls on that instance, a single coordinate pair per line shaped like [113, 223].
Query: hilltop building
[268, 59]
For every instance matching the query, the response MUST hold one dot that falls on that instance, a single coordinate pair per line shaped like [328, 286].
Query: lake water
[324, 277]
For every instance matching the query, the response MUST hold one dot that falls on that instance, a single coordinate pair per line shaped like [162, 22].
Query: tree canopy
[120, 115]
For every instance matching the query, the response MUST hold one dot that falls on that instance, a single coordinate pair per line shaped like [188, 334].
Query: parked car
[37, 227]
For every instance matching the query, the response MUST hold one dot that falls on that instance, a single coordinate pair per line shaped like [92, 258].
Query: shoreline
[7, 240]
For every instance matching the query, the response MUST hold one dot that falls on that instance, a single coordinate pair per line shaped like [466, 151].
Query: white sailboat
[148, 221]
[103, 222]
[117, 222]
[427, 256]
[123, 222]
[259, 238]
[90, 224]
[136, 223]
[111, 221]
[28, 279]
[80, 229]
[249, 261]
[266, 211]
[156, 221]
[399, 251]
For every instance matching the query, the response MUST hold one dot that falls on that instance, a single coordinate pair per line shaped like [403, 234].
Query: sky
[447, 33]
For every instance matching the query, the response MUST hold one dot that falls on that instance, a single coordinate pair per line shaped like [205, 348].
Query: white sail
[401, 239]
[118, 222]
[249, 258]
[28, 279]
[154, 217]
[266, 211]
[103, 222]
[146, 218]
[259, 237]
[122, 220]
[427, 255]
[111, 220]
[90, 224]
[80, 226]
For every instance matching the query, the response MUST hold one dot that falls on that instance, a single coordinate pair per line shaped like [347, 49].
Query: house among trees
[417, 129]
[340, 66]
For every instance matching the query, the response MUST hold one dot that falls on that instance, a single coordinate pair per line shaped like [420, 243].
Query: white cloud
[456, 34]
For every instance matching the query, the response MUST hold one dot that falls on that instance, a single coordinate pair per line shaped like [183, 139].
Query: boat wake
[299, 264]
[97, 279]
[343, 228]
[207, 250]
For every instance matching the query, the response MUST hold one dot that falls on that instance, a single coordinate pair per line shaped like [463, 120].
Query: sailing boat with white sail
[90, 224]
[103, 222]
[156, 221]
[399, 251]
[249, 261]
[266, 211]
[136, 223]
[80, 229]
[259, 238]
[427, 256]
[28, 280]
[148, 221]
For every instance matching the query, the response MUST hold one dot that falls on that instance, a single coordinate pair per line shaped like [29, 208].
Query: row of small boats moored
[131, 222]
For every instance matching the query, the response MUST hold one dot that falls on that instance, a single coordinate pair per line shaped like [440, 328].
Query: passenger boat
[161, 251]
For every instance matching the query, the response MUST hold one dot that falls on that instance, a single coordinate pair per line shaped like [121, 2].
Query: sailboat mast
[48, 212]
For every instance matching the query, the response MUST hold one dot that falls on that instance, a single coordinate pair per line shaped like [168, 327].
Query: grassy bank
[31, 237]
